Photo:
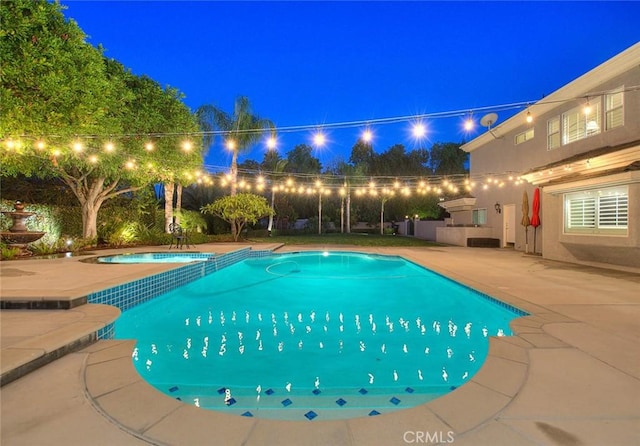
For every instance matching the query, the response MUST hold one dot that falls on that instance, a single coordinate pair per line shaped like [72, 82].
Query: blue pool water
[158, 257]
[314, 336]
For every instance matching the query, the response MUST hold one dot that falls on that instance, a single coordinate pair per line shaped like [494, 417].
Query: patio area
[571, 375]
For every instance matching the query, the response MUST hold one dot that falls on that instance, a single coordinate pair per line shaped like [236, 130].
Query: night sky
[316, 63]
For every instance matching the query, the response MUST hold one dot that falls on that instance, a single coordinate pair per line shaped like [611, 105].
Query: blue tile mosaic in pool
[133, 293]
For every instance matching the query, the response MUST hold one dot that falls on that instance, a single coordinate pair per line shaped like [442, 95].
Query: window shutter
[582, 213]
[613, 211]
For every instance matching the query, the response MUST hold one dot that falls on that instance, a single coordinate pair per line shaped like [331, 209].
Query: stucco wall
[620, 252]
[458, 235]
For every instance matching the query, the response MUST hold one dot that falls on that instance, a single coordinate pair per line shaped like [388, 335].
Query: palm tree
[241, 130]
[352, 175]
[276, 170]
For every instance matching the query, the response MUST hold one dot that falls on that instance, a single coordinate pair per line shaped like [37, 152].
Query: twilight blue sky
[304, 63]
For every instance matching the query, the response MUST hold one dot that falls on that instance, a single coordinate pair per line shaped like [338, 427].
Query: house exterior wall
[621, 252]
[496, 153]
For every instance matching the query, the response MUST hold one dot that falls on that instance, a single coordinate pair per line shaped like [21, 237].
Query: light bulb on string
[40, 144]
[469, 123]
[271, 143]
[319, 139]
[419, 130]
[109, 147]
[148, 146]
[367, 135]
[77, 147]
[186, 145]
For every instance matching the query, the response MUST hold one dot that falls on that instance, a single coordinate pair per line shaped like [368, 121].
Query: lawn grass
[343, 239]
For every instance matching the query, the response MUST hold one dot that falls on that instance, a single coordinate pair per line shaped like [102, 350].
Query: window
[614, 109]
[479, 216]
[598, 211]
[524, 136]
[581, 122]
[553, 133]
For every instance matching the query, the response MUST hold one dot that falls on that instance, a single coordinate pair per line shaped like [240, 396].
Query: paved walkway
[571, 376]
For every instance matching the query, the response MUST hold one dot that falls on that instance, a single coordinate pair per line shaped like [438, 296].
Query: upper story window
[599, 211]
[586, 120]
[524, 136]
[553, 133]
[614, 109]
[581, 122]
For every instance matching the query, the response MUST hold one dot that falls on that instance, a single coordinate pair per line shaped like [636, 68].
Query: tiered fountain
[18, 236]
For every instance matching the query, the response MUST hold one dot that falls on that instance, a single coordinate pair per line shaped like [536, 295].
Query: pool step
[57, 333]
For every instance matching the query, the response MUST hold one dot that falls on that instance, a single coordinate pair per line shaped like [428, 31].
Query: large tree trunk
[90, 219]
[91, 193]
[168, 205]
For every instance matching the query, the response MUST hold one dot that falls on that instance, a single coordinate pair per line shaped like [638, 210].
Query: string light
[319, 139]
[419, 130]
[381, 185]
[469, 123]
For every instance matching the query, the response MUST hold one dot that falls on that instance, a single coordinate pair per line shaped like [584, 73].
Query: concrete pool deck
[571, 375]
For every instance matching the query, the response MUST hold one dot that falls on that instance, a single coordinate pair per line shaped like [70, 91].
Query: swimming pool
[314, 335]
[157, 257]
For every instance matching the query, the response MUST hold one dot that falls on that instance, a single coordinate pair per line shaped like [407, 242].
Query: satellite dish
[488, 120]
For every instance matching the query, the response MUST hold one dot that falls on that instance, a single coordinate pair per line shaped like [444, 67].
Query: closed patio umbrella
[535, 215]
[525, 220]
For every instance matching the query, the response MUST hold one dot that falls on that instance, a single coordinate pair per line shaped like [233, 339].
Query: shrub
[8, 253]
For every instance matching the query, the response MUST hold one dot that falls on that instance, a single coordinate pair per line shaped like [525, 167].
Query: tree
[242, 129]
[362, 155]
[353, 175]
[275, 166]
[448, 158]
[396, 161]
[67, 112]
[300, 160]
[239, 210]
